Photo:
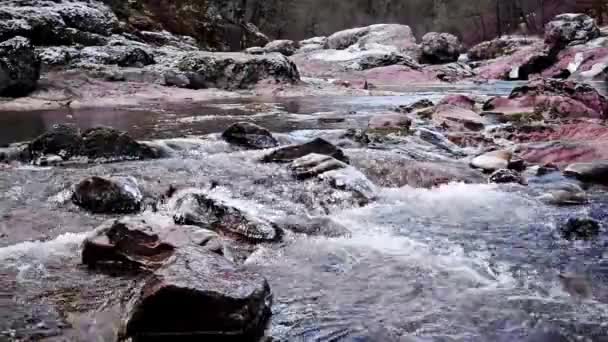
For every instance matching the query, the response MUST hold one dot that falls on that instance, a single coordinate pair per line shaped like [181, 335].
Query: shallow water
[462, 262]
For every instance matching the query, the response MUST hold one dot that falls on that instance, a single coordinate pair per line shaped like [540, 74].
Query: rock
[576, 285]
[255, 50]
[461, 101]
[285, 47]
[579, 229]
[48, 160]
[595, 172]
[492, 161]
[456, 118]
[369, 60]
[565, 194]
[136, 58]
[397, 36]
[521, 65]
[108, 195]
[552, 99]
[290, 153]
[61, 140]
[499, 47]
[312, 165]
[440, 48]
[235, 70]
[143, 242]
[389, 123]
[570, 29]
[315, 226]
[218, 211]
[104, 142]
[451, 72]
[506, 176]
[15, 152]
[19, 67]
[312, 44]
[418, 105]
[206, 296]
[249, 135]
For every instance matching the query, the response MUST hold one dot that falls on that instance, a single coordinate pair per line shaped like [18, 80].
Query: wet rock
[15, 152]
[596, 172]
[577, 286]
[143, 242]
[249, 135]
[451, 72]
[313, 165]
[546, 336]
[108, 195]
[218, 211]
[48, 160]
[521, 65]
[208, 298]
[440, 48]
[506, 176]
[552, 99]
[285, 47]
[319, 146]
[314, 226]
[418, 105]
[455, 118]
[235, 70]
[62, 140]
[370, 60]
[492, 161]
[19, 67]
[566, 194]
[570, 29]
[498, 47]
[461, 101]
[579, 229]
[389, 123]
[104, 142]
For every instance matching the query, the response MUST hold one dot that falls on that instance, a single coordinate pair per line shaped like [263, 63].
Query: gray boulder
[318, 146]
[570, 29]
[285, 47]
[19, 67]
[61, 140]
[200, 296]
[398, 36]
[108, 195]
[594, 172]
[109, 143]
[235, 70]
[249, 135]
[440, 48]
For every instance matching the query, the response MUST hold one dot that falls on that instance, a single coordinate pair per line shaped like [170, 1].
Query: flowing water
[461, 262]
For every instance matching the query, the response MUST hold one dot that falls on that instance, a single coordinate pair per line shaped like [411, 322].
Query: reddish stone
[461, 101]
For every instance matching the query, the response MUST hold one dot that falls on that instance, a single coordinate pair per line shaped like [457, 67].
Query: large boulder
[498, 47]
[400, 37]
[492, 161]
[283, 46]
[19, 67]
[440, 48]
[235, 70]
[596, 172]
[220, 212]
[143, 242]
[319, 146]
[61, 140]
[570, 29]
[108, 195]
[526, 61]
[109, 143]
[249, 135]
[199, 296]
[552, 98]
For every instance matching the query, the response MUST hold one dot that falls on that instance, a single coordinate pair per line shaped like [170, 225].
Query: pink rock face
[524, 59]
[567, 63]
[552, 98]
[455, 118]
[461, 101]
[390, 121]
[565, 144]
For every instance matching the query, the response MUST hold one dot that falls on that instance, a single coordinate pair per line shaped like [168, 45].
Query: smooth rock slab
[319, 146]
[108, 195]
[198, 296]
[492, 161]
[249, 135]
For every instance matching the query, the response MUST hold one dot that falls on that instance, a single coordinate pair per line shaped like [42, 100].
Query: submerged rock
[249, 135]
[284, 47]
[596, 172]
[61, 140]
[570, 29]
[314, 164]
[579, 229]
[290, 153]
[506, 176]
[19, 67]
[314, 226]
[492, 161]
[108, 195]
[143, 242]
[199, 296]
[440, 48]
[235, 70]
[105, 142]
[566, 194]
[217, 211]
